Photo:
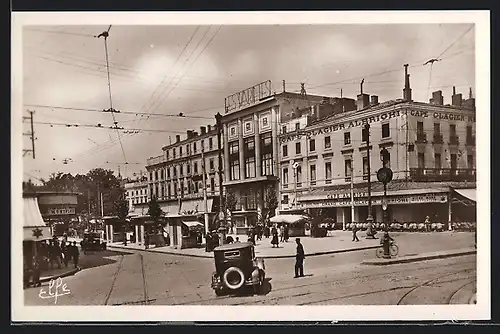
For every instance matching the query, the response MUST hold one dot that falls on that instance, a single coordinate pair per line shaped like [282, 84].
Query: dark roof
[233, 246]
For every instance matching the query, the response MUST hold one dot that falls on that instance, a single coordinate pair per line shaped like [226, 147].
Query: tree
[229, 205]
[154, 209]
[271, 200]
[121, 210]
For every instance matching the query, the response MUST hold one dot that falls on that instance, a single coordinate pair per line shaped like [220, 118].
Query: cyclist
[386, 239]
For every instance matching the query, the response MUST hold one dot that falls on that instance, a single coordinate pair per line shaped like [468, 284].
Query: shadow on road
[100, 258]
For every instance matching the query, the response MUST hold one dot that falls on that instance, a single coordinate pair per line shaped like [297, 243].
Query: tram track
[113, 282]
[322, 282]
[460, 289]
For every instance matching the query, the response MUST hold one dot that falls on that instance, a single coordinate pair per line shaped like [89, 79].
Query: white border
[480, 311]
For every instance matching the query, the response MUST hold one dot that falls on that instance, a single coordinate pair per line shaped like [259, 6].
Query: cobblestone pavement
[161, 279]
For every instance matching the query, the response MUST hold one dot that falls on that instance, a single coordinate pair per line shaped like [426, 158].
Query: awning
[287, 219]
[194, 206]
[467, 193]
[34, 228]
[169, 208]
[192, 224]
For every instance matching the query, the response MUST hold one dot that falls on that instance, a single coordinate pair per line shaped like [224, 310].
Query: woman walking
[275, 240]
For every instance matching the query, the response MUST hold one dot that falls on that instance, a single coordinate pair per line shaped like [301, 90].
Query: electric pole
[367, 129]
[31, 134]
[218, 119]
[204, 180]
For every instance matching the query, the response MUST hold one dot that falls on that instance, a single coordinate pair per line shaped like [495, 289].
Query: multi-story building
[251, 124]
[136, 193]
[175, 177]
[431, 153]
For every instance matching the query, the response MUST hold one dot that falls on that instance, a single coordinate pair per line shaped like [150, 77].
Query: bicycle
[393, 250]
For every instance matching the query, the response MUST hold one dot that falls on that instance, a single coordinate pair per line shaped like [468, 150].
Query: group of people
[49, 255]
[280, 234]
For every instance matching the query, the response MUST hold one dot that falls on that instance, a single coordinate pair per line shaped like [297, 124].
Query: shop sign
[411, 199]
[60, 211]
[248, 96]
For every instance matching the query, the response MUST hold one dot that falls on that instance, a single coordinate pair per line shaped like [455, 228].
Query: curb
[336, 251]
[65, 274]
[418, 258]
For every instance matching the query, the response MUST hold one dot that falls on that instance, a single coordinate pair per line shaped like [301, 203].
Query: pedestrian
[75, 254]
[146, 241]
[275, 240]
[282, 233]
[208, 242]
[237, 240]
[66, 253]
[267, 231]
[427, 223]
[299, 259]
[354, 233]
[36, 272]
[229, 239]
[259, 232]
[286, 232]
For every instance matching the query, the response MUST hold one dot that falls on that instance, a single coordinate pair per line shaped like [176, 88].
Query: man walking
[299, 260]
[354, 233]
[75, 254]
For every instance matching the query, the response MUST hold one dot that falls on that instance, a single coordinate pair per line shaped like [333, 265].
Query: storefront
[185, 231]
[145, 226]
[241, 221]
[296, 224]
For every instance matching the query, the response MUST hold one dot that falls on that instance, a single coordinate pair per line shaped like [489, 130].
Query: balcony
[454, 140]
[442, 174]
[421, 138]
[437, 138]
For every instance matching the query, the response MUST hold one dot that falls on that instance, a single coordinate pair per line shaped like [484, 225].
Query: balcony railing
[421, 138]
[443, 174]
[437, 138]
[454, 140]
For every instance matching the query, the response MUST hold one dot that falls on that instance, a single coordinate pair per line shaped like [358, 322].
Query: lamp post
[384, 175]
[368, 169]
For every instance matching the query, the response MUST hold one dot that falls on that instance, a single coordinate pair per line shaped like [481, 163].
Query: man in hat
[299, 259]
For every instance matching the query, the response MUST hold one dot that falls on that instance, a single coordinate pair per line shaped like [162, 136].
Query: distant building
[431, 150]
[136, 193]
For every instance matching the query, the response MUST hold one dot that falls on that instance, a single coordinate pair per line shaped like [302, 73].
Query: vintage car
[92, 242]
[236, 268]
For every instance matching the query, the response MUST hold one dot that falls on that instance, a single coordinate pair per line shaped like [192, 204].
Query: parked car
[236, 268]
[92, 242]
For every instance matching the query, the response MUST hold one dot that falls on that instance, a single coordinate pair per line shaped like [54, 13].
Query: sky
[191, 69]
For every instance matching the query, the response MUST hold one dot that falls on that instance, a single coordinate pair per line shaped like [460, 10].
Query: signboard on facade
[248, 96]
[60, 211]
[405, 199]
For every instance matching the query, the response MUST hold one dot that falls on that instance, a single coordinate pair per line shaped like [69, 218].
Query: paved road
[159, 279]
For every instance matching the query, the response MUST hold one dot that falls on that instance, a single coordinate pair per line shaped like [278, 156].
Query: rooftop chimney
[177, 138]
[209, 128]
[189, 134]
[363, 99]
[374, 100]
[470, 103]
[437, 98]
[203, 130]
[456, 99]
[407, 89]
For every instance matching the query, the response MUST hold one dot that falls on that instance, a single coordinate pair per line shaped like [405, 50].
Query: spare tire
[233, 278]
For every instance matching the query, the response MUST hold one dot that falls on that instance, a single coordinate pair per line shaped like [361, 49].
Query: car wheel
[233, 278]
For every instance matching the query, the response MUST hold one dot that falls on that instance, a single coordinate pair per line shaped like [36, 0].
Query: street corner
[58, 273]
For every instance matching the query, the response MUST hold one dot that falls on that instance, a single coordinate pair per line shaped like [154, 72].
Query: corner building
[432, 156]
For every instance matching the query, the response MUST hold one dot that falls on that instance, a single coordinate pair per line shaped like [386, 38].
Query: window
[180, 170]
[210, 143]
[212, 184]
[162, 175]
[150, 176]
[421, 160]
[188, 149]
[249, 144]
[348, 168]
[297, 126]
[365, 166]
[453, 130]
[328, 142]
[437, 160]
[180, 151]
[173, 152]
[283, 129]
[233, 147]
[202, 145]
[234, 170]
[437, 129]
[169, 193]
[298, 176]
[285, 150]
[174, 169]
[266, 141]
[312, 145]
[285, 176]
[285, 199]
[195, 167]
[328, 172]
[156, 175]
[364, 135]
[388, 161]
[188, 169]
[470, 161]
[168, 172]
[385, 130]
[420, 128]
[297, 148]
[181, 188]
[312, 169]
[211, 164]
[162, 191]
[453, 161]
[267, 164]
[347, 138]
[194, 147]
[167, 153]
[250, 167]
[469, 139]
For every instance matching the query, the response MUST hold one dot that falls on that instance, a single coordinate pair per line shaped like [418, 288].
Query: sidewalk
[410, 244]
